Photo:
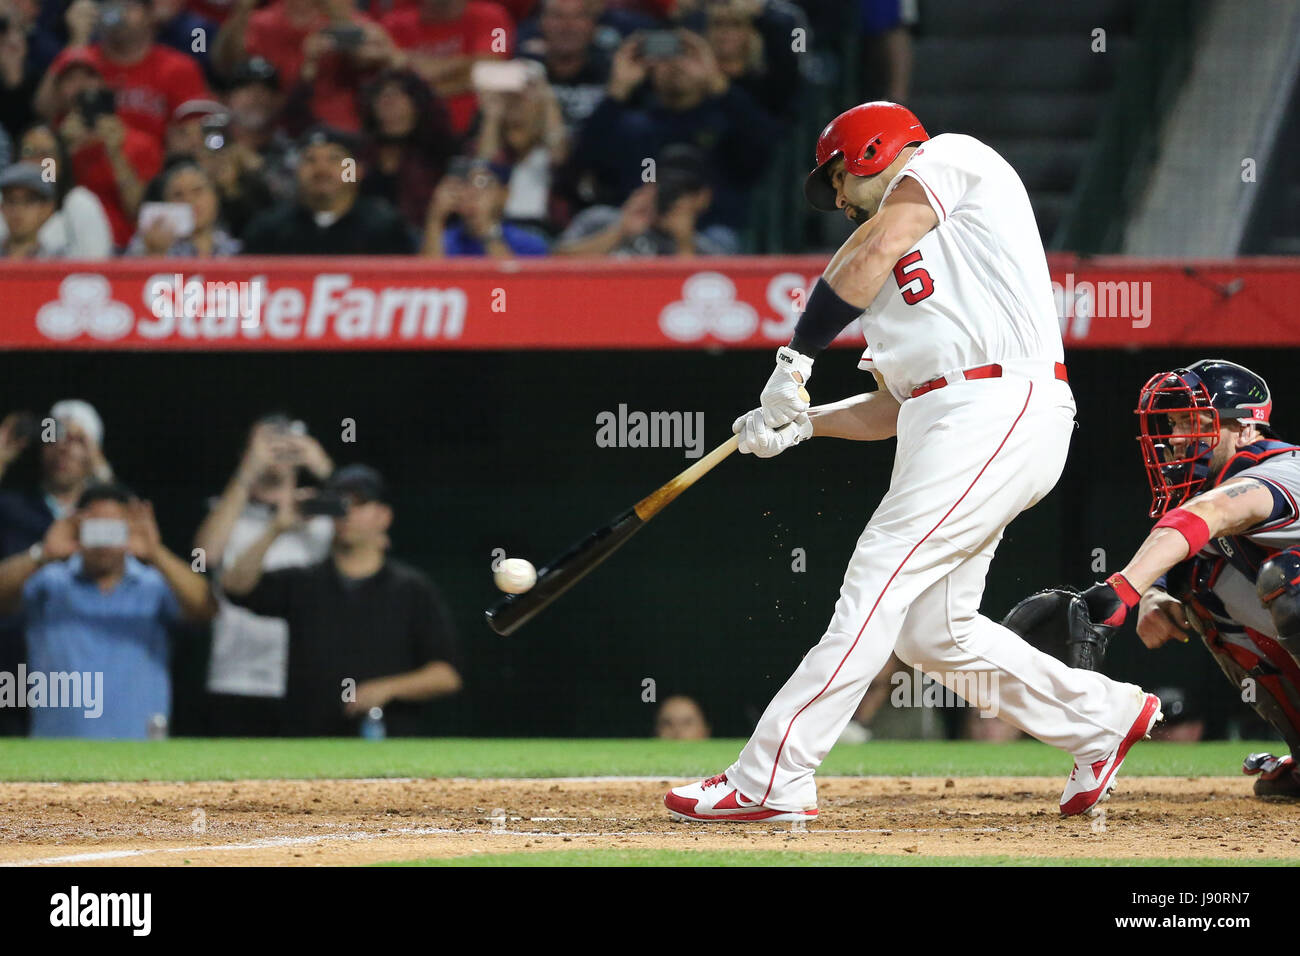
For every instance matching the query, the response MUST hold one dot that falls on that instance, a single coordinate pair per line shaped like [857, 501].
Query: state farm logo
[330, 307]
[708, 307]
[85, 305]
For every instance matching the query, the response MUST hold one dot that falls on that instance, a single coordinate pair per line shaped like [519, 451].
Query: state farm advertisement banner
[377, 303]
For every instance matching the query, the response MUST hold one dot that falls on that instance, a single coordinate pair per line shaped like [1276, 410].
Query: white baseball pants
[971, 456]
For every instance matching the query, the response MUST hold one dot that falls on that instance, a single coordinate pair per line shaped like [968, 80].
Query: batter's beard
[858, 214]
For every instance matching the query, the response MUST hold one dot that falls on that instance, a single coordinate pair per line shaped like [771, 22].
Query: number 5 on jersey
[908, 278]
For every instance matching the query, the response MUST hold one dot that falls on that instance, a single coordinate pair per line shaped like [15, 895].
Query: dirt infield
[278, 822]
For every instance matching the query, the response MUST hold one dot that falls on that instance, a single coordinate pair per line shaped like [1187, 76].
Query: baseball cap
[498, 171]
[27, 176]
[197, 109]
[255, 69]
[83, 413]
[320, 133]
[360, 480]
[77, 56]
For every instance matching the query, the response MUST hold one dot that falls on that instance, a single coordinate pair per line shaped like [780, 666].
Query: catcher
[1223, 561]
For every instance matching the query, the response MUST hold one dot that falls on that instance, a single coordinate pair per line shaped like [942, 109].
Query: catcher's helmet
[1180, 414]
[868, 137]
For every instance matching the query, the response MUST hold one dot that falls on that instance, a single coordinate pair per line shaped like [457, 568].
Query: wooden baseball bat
[562, 573]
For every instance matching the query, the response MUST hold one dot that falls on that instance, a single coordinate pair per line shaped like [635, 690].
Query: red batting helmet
[868, 137]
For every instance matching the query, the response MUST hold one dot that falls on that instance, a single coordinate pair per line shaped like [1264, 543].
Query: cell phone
[103, 533]
[495, 76]
[661, 45]
[27, 427]
[92, 104]
[325, 503]
[346, 36]
[178, 215]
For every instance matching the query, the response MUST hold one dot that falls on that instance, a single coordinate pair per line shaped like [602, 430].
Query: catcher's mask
[1178, 429]
[1180, 414]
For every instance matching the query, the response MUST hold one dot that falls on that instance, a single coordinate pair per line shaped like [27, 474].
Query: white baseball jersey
[976, 288]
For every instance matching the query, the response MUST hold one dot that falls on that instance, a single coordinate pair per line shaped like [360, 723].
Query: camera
[215, 131]
[92, 104]
[326, 503]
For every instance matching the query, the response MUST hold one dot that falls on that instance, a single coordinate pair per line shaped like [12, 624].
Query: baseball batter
[949, 280]
[1223, 561]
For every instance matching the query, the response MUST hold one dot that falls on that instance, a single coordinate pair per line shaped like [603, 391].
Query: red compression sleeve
[1191, 526]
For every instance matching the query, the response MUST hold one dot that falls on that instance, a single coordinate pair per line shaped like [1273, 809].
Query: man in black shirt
[330, 216]
[576, 67]
[364, 631]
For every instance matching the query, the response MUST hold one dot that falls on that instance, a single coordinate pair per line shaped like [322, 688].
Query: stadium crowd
[436, 128]
[316, 629]
[423, 127]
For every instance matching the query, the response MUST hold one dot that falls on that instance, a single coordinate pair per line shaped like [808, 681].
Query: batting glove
[780, 399]
[758, 438]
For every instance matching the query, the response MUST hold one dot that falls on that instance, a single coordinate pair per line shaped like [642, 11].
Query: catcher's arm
[1084, 622]
[1233, 507]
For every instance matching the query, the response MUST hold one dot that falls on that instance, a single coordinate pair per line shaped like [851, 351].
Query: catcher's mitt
[1058, 621]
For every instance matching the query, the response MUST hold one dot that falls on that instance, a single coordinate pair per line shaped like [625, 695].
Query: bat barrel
[562, 573]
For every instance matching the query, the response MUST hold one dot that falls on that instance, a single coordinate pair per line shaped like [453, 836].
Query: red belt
[979, 371]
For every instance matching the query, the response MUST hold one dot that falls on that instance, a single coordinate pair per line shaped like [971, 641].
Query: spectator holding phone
[522, 127]
[475, 191]
[245, 152]
[111, 159]
[99, 592]
[70, 441]
[185, 222]
[409, 142]
[188, 125]
[323, 51]
[79, 224]
[666, 87]
[365, 630]
[577, 67]
[441, 40]
[150, 80]
[248, 666]
[658, 219]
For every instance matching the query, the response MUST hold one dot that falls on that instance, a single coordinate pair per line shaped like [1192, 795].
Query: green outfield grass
[798, 858]
[180, 759]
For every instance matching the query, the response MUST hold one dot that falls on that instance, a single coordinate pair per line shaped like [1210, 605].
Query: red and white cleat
[1090, 784]
[716, 800]
[1276, 778]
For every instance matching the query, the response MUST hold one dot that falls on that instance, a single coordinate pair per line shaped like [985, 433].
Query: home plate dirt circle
[297, 822]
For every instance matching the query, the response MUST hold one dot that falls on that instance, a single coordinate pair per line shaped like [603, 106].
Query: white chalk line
[279, 842]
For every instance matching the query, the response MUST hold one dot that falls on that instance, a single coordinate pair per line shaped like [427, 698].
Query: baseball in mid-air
[515, 575]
